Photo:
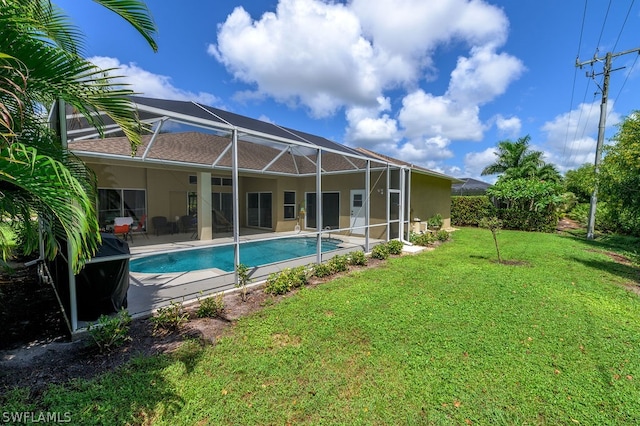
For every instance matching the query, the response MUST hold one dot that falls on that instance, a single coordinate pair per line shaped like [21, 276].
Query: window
[215, 180]
[289, 205]
[259, 209]
[357, 200]
[114, 203]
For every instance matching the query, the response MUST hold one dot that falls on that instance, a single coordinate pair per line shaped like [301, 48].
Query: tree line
[531, 194]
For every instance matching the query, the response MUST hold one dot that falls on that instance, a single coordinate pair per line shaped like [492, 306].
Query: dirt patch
[566, 224]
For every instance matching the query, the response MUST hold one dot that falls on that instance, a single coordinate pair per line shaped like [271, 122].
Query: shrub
[442, 235]
[110, 331]
[282, 282]
[423, 239]
[339, 263]
[357, 258]
[211, 307]
[527, 204]
[321, 270]
[435, 221]
[243, 280]
[468, 211]
[381, 251]
[170, 317]
[395, 247]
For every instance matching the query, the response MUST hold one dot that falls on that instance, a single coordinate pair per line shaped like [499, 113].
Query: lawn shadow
[622, 251]
[623, 270]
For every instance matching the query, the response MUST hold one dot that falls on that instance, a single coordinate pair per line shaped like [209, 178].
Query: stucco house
[230, 173]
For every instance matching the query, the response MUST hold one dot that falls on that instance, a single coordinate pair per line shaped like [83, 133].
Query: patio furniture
[140, 227]
[189, 224]
[220, 223]
[161, 225]
[122, 226]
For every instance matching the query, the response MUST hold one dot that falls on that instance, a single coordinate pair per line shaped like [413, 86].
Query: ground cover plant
[443, 337]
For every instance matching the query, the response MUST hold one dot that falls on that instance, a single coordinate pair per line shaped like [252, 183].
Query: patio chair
[220, 223]
[188, 224]
[122, 226]
[161, 225]
[140, 227]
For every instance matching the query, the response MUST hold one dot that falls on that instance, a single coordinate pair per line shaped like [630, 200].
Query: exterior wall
[430, 195]
[167, 191]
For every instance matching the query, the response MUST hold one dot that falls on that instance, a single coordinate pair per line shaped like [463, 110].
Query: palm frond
[137, 14]
[61, 198]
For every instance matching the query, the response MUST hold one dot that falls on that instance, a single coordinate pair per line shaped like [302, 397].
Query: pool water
[251, 254]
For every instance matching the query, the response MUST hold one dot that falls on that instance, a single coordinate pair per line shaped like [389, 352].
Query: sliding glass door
[330, 210]
[259, 206]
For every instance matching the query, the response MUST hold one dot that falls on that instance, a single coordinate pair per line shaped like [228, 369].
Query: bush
[442, 235]
[322, 270]
[435, 221]
[110, 331]
[211, 307]
[170, 317]
[357, 258]
[527, 204]
[289, 278]
[339, 263]
[381, 251]
[395, 247]
[468, 211]
[243, 280]
[424, 240]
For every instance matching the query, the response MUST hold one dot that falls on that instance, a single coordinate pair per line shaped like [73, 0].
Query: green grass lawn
[442, 337]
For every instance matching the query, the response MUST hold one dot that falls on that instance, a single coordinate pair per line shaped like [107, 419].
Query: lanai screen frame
[219, 121]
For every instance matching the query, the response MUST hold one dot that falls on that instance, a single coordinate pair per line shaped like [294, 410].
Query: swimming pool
[251, 254]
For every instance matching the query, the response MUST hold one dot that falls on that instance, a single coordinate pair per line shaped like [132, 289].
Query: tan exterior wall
[429, 196]
[167, 191]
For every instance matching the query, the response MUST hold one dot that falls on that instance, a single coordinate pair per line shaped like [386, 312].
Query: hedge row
[467, 211]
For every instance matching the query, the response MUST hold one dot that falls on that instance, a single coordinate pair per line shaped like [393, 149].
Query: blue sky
[437, 83]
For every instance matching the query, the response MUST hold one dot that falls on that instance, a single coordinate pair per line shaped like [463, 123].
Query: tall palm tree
[515, 160]
[40, 63]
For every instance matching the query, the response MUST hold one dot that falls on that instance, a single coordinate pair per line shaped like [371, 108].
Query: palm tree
[515, 160]
[41, 63]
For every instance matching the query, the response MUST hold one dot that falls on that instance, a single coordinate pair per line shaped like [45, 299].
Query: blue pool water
[251, 254]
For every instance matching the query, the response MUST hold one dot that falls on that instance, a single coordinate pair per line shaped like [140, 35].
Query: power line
[601, 126]
[603, 24]
[623, 24]
[573, 86]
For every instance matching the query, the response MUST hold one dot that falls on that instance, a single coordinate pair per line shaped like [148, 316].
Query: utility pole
[601, 126]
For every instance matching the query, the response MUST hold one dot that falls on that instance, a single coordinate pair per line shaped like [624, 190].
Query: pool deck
[148, 292]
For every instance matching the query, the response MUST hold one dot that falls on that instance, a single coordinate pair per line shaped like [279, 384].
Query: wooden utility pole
[601, 126]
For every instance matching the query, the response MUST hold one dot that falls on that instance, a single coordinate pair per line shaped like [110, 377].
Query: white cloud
[483, 76]
[571, 137]
[509, 127]
[475, 162]
[308, 51]
[369, 127]
[425, 115]
[327, 55]
[331, 56]
[148, 84]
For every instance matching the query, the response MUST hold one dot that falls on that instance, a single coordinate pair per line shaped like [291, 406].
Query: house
[229, 173]
[217, 179]
[470, 186]
[429, 192]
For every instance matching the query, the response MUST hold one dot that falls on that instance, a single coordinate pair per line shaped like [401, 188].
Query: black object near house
[102, 285]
